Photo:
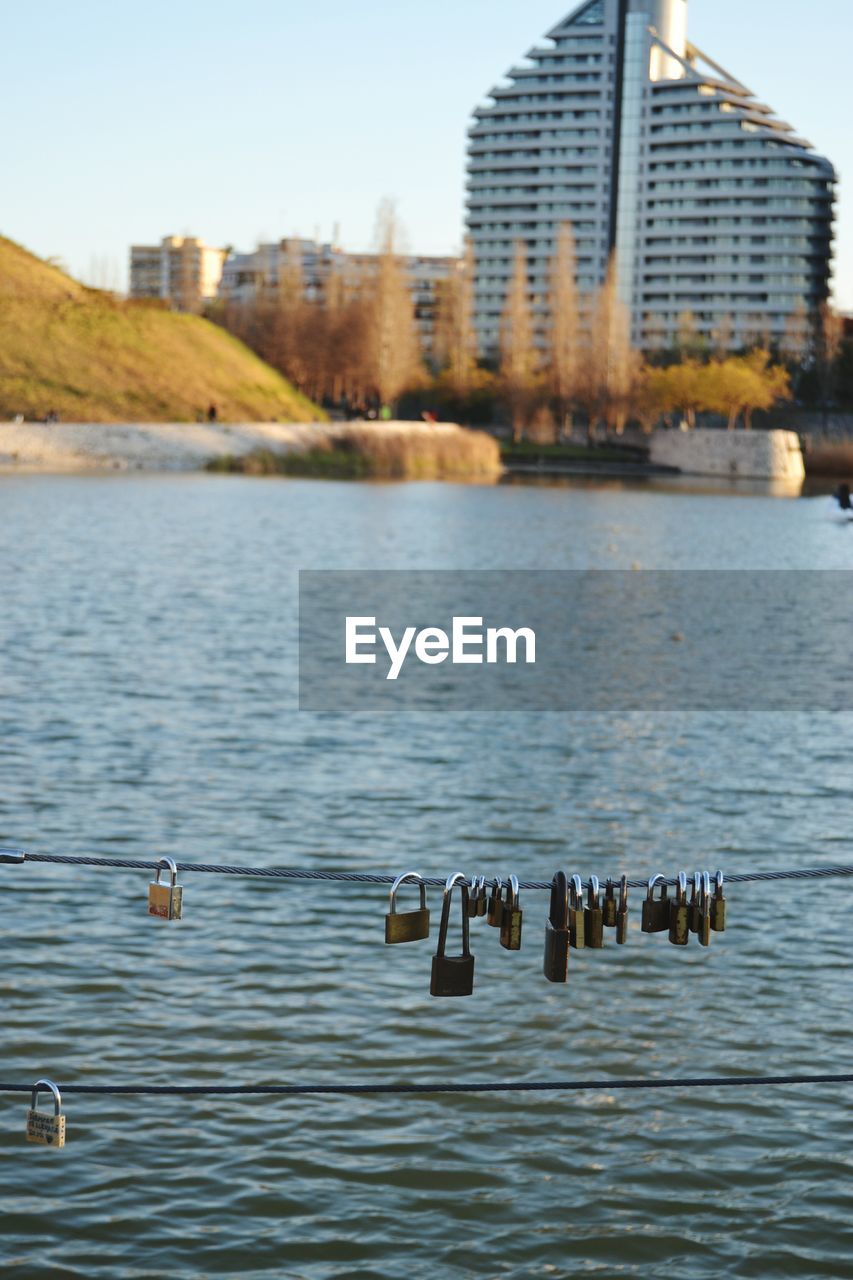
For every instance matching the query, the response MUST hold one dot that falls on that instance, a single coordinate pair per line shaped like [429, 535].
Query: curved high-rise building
[621, 126]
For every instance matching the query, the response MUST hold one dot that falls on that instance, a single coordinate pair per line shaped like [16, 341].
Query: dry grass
[410, 452]
[95, 359]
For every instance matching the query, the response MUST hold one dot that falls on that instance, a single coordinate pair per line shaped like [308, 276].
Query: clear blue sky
[128, 121]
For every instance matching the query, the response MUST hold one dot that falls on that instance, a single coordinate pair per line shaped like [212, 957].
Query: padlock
[703, 933]
[609, 906]
[656, 910]
[594, 916]
[718, 906]
[482, 900]
[512, 918]
[622, 913]
[46, 1130]
[496, 906]
[407, 926]
[453, 975]
[696, 903]
[476, 894]
[577, 921]
[679, 914]
[165, 900]
[557, 934]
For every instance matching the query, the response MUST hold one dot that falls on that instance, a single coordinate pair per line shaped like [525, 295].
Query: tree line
[566, 360]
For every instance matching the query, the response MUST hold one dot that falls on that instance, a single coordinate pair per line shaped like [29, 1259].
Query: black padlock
[656, 910]
[496, 905]
[557, 934]
[622, 914]
[703, 932]
[407, 926]
[453, 975]
[512, 918]
[594, 916]
[718, 906]
[577, 923]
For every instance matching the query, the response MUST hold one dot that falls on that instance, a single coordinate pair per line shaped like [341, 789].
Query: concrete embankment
[736, 455]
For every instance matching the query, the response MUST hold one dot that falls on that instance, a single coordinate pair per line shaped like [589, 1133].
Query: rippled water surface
[147, 686]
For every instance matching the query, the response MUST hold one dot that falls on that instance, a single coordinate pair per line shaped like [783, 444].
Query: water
[148, 684]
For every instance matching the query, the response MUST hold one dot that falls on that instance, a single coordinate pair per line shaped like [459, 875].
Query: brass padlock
[496, 905]
[703, 933]
[46, 1130]
[594, 916]
[696, 903]
[679, 914]
[718, 906]
[577, 920]
[407, 926]
[609, 906]
[476, 896]
[557, 934]
[165, 900]
[511, 920]
[656, 910]
[453, 975]
[622, 914]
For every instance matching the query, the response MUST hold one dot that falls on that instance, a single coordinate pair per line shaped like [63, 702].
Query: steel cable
[297, 875]
[531, 1086]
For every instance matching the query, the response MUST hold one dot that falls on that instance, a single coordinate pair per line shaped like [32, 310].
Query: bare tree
[455, 346]
[612, 366]
[564, 353]
[829, 337]
[518, 358]
[392, 352]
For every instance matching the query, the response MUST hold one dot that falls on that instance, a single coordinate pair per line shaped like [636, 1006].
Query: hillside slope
[90, 358]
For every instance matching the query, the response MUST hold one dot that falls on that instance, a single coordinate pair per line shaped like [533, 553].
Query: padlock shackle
[577, 891]
[49, 1086]
[706, 893]
[653, 884]
[559, 913]
[594, 891]
[512, 892]
[681, 892]
[452, 881]
[167, 864]
[409, 877]
[719, 881]
[623, 895]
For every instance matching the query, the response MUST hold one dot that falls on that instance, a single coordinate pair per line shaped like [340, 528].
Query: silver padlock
[42, 1128]
[165, 901]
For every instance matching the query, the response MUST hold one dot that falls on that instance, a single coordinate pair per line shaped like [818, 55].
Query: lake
[148, 681]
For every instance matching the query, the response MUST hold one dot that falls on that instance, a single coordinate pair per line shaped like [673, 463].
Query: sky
[125, 122]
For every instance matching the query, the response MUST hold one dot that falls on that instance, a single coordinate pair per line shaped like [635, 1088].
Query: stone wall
[744, 455]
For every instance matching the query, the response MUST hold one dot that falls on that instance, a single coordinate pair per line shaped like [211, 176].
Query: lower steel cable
[529, 1086]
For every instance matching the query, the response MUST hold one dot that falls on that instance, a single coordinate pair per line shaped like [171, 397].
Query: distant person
[842, 497]
[212, 415]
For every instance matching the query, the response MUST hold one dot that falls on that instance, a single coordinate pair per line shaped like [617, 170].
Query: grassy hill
[94, 359]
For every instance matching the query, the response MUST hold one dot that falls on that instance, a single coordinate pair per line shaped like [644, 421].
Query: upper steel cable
[296, 874]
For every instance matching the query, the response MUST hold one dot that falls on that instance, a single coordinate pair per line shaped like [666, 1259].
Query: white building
[181, 270]
[247, 277]
[621, 126]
